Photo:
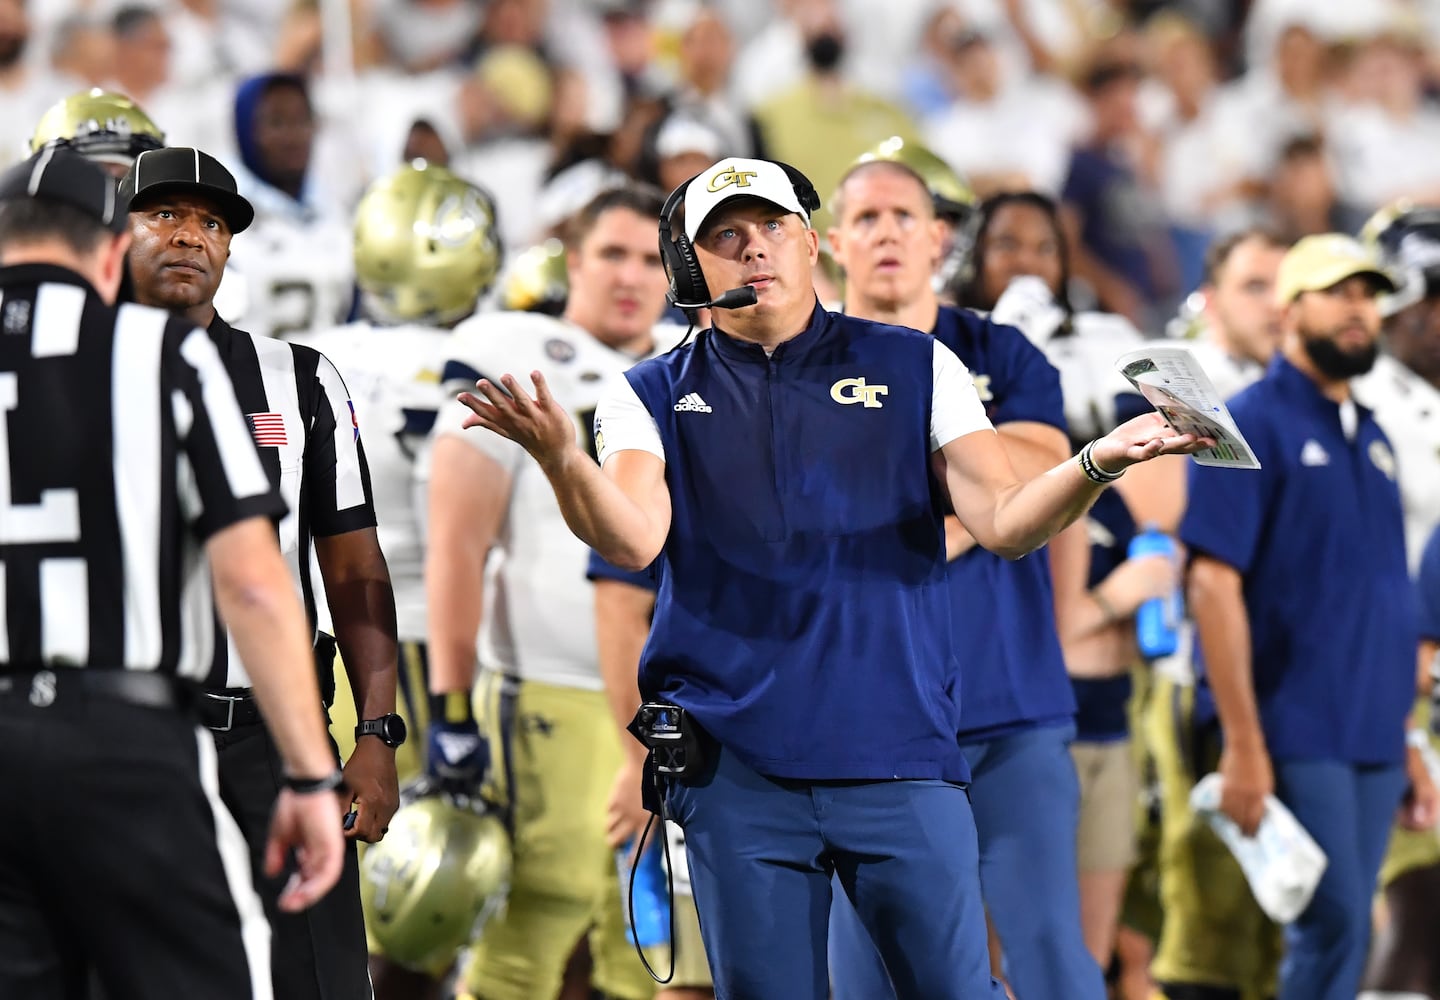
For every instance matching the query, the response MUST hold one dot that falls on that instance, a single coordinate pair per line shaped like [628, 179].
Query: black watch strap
[332, 782]
[389, 728]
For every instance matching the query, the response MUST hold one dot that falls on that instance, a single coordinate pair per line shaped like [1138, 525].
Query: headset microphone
[736, 298]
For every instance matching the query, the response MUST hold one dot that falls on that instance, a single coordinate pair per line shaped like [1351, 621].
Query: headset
[688, 290]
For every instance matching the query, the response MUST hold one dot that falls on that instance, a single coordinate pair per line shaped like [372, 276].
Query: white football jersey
[297, 276]
[393, 373]
[1089, 380]
[538, 621]
[1408, 410]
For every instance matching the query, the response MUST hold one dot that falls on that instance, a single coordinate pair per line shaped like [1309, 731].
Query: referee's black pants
[117, 857]
[319, 953]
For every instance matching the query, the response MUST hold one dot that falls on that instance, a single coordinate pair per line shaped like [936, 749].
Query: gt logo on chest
[854, 390]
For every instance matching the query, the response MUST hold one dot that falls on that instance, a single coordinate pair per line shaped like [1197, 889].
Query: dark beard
[12, 47]
[1335, 363]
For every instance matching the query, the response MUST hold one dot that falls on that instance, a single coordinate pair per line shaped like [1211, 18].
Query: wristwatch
[390, 728]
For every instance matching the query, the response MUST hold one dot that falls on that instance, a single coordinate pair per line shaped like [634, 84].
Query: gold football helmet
[440, 872]
[101, 125]
[426, 246]
[537, 281]
[954, 198]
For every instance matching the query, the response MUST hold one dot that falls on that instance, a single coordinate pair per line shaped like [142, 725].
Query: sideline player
[1017, 712]
[500, 564]
[426, 250]
[107, 128]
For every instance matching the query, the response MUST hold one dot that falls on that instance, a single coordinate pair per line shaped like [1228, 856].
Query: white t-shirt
[538, 620]
[955, 410]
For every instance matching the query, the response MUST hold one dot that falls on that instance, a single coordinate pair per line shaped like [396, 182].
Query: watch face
[392, 730]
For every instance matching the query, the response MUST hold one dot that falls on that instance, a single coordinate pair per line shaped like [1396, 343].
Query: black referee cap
[56, 174]
[183, 170]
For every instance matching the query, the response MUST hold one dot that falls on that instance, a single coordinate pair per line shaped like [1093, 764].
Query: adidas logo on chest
[692, 403]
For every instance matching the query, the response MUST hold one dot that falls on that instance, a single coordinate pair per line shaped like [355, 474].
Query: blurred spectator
[503, 108]
[422, 35]
[928, 85]
[296, 257]
[774, 60]
[191, 115]
[705, 91]
[822, 123]
[24, 91]
[1278, 100]
[678, 149]
[977, 134]
[1385, 140]
[1302, 194]
[1204, 179]
[1114, 219]
[82, 53]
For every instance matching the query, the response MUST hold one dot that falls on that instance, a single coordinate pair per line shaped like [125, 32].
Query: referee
[184, 209]
[117, 857]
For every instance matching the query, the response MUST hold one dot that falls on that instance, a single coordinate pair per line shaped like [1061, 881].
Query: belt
[43, 688]
[223, 709]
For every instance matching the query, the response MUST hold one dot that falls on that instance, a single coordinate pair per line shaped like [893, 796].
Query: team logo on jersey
[982, 388]
[729, 176]
[559, 351]
[354, 420]
[1383, 458]
[268, 428]
[854, 390]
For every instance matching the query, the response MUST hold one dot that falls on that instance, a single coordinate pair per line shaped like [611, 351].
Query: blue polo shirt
[1428, 586]
[1002, 611]
[802, 615]
[1318, 539]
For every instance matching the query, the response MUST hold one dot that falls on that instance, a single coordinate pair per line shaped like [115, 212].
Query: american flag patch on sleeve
[268, 428]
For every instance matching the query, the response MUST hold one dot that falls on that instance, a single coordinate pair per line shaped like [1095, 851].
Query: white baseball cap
[738, 177]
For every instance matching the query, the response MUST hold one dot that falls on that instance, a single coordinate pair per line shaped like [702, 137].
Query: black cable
[669, 888]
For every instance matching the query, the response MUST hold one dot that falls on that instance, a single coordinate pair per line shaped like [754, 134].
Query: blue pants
[1026, 801]
[1349, 810]
[762, 853]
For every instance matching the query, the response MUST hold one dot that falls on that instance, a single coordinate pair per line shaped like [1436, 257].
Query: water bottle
[651, 902]
[1157, 621]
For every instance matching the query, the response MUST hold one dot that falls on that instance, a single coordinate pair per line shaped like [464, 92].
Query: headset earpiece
[677, 254]
[805, 192]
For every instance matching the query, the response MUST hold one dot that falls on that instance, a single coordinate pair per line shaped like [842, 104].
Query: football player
[100, 125]
[502, 563]
[426, 250]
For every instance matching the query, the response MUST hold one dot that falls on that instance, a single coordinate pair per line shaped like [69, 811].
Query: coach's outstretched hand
[308, 824]
[538, 424]
[1141, 439]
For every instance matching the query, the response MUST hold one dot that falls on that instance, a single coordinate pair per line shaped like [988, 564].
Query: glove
[458, 756]
[1027, 304]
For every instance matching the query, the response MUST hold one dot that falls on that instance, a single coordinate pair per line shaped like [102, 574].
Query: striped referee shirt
[122, 450]
[304, 423]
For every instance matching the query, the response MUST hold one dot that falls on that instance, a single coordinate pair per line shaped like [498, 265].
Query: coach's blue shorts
[762, 853]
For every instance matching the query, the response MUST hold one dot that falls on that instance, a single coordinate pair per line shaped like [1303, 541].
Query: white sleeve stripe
[243, 471]
[349, 482]
[955, 406]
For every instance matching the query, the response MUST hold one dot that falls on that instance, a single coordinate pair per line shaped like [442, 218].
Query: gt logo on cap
[728, 176]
